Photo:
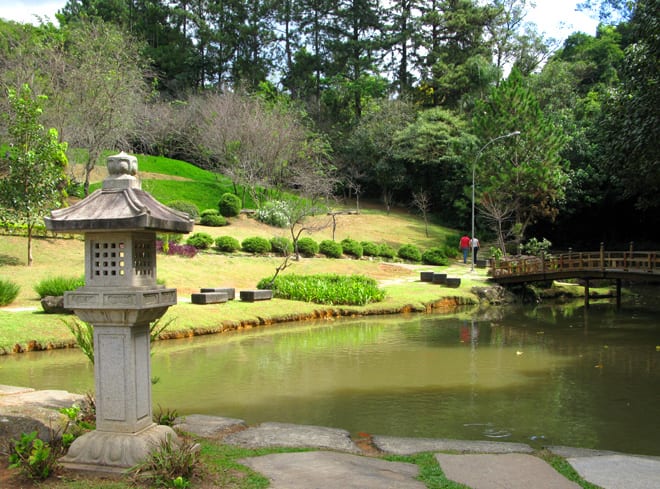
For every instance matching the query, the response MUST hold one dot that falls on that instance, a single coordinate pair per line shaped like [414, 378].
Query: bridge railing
[638, 261]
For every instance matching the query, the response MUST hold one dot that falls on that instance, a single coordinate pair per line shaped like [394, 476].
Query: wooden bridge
[598, 265]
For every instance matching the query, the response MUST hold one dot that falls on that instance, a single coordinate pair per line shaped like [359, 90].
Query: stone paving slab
[294, 436]
[619, 471]
[332, 470]
[502, 471]
[410, 446]
[208, 426]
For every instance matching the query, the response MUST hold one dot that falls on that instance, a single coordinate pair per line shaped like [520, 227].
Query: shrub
[229, 205]
[369, 248]
[57, 286]
[330, 289]
[256, 244]
[282, 245]
[307, 247]
[451, 251]
[330, 248]
[352, 247]
[213, 221]
[410, 253]
[209, 212]
[8, 292]
[185, 206]
[386, 251]
[274, 213]
[435, 256]
[35, 458]
[201, 241]
[227, 244]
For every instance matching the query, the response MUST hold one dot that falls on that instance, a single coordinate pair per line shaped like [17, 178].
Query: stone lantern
[120, 299]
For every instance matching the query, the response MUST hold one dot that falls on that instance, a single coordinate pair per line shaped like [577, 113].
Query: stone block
[256, 295]
[230, 291]
[439, 278]
[453, 282]
[426, 276]
[481, 263]
[208, 297]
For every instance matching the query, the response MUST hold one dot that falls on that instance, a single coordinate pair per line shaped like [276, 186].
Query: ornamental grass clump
[57, 286]
[8, 292]
[331, 289]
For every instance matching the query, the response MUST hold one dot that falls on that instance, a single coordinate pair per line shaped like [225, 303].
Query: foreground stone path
[338, 462]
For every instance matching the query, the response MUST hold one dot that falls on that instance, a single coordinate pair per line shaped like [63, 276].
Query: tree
[526, 173]
[32, 172]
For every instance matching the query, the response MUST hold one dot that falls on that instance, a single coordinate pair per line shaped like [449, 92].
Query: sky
[555, 18]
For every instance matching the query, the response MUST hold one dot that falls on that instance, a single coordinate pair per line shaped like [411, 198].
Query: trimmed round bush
[330, 248]
[256, 244]
[8, 292]
[352, 247]
[229, 205]
[185, 206]
[369, 248]
[451, 251]
[209, 212]
[410, 252]
[274, 213]
[386, 251]
[213, 221]
[201, 241]
[435, 256]
[228, 244]
[307, 247]
[282, 245]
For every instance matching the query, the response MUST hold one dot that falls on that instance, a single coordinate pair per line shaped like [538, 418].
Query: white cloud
[559, 19]
[24, 11]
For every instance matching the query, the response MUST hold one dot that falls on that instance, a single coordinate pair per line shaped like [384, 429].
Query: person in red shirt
[464, 245]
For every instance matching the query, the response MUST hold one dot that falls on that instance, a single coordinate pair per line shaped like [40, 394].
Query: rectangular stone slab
[208, 297]
[439, 278]
[230, 291]
[256, 295]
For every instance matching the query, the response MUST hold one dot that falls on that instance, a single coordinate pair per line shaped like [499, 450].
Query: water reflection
[537, 375]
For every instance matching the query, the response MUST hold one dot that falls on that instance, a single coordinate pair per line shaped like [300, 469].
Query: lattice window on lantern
[143, 258]
[108, 259]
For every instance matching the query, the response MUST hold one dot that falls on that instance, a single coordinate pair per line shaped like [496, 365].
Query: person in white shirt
[474, 244]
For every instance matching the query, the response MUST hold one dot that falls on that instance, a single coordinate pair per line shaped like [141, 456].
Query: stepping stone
[439, 278]
[453, 282]
[256, 295]
[230, 291]
[208, 297]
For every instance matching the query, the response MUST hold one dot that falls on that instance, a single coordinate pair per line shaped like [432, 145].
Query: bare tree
[422, 201]
[498, 213]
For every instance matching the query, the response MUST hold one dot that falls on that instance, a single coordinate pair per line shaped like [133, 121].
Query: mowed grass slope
[65, 257]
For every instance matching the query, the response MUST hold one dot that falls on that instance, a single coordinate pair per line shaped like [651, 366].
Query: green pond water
[540, 375]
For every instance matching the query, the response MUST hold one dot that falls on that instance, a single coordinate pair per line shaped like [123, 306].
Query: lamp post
[474, 167]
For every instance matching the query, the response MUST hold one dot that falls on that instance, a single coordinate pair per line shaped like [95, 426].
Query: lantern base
[110, 452]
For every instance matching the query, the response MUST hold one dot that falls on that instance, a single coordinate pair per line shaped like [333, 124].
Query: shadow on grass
[7, 260]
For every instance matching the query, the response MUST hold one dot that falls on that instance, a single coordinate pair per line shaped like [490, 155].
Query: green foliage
[229, 205]
[83, 333]
[165, 417]
[201, 241]
[256, 244]
[274, 213]
[330, 248]
[281, 245]
[535, 247]
[33, 167]
[386, 251]
[209, 212]
[171, 464]
[435, 256]
[352, 247]
[8, 292]
[57, 286]
[185, 206]
[410, 252]
[369, 248]
[35, 458]
[325, 289]
[228, 244]
[307, 247]
[213, 221]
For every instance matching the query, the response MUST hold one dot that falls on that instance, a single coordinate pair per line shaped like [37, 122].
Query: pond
[534, 374]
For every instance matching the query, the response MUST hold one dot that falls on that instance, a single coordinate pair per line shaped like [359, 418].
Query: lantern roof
[119, 205]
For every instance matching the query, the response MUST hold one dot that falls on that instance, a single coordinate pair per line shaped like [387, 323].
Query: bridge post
[586, 293]
[602, 256]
